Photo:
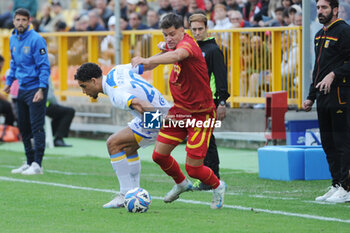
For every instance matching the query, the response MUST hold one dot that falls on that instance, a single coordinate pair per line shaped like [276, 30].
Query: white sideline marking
[209, 191]
[227, 193]
[54, 171]
[278, 212]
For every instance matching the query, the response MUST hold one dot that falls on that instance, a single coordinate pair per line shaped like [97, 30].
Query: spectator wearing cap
[152, 19]
[30, 5]
[165, 7]
[104, 12]
[95, 21]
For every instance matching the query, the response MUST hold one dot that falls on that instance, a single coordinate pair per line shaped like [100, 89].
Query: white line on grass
[278, 212]
[228, 193]
[55, 171]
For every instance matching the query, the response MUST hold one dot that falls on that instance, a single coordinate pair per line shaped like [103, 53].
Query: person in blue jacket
[30, 65]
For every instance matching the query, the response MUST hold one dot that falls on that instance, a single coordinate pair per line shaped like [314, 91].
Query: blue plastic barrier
[293, 163]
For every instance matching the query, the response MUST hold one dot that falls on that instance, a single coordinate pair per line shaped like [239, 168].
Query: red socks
[204, 174]
[169, 165]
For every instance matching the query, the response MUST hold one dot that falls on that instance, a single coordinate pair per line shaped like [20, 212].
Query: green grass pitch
[70, 195]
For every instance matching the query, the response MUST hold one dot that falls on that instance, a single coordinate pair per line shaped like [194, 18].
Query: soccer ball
[137, 200]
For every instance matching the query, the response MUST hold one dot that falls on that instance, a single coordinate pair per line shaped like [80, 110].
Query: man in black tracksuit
[331, 89]
[218, 83]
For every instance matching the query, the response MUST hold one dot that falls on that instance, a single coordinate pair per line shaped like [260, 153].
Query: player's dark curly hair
[88, 71]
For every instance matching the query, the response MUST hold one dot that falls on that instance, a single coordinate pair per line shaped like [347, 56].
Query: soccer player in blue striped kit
[127, 90]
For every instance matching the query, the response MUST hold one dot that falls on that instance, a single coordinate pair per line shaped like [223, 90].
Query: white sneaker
[175, 192]
[21, 169]
[218, 196]
[117, 202]
[328, 194]
[34, 169]
[340, 196]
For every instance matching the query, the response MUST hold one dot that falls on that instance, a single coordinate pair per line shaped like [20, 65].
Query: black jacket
[216, 69]
[332, 49]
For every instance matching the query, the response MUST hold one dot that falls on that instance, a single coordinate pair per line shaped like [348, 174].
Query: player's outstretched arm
[141, 106]
[165, 58]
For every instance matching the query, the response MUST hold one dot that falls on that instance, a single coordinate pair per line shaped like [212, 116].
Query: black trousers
[61, 119]
[6, 110]
[211, 160]
[31, 119]
[333, 112]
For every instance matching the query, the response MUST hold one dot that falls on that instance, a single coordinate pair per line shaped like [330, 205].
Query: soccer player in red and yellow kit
[193, 102]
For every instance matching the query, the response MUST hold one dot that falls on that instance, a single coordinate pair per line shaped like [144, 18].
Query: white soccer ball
[137, 200]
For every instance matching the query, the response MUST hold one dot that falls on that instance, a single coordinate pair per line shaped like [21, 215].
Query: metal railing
[258, 60]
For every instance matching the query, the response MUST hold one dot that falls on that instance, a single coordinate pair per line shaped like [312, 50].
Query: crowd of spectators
[98, 15]
[143, 14]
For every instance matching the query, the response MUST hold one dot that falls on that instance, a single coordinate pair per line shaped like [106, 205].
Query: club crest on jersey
[26, 49]
[326, 44]
[177, 69]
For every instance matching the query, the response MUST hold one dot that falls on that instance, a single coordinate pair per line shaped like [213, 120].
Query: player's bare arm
[141, 106]
[145, 66]
[165, 58]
